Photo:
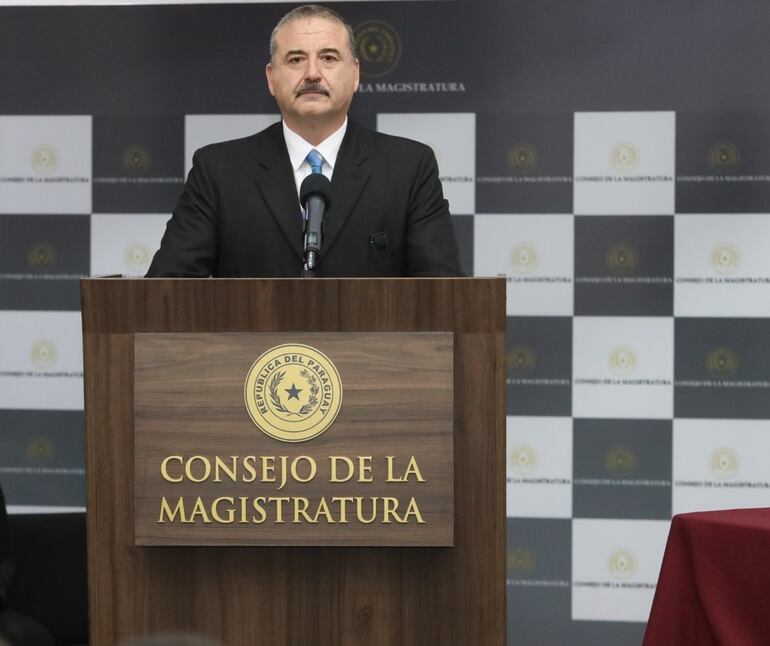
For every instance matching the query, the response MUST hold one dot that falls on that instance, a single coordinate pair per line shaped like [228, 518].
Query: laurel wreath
[275, 382]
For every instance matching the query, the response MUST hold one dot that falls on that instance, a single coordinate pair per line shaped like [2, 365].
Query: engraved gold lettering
[221, 465]
[312, 468]
[323, 509]
[413, 469]
[365, 468]
[334, 461]
[360, 513]
[165, 510]
[188, 468]
[248, 465]
[268, 468]
[230, 511]
[390, 506]
[279, 500]
[300, 509]
[199, 509]
[261, 516]
[343, 501]
[283, 459]
[413, 510]
[164, 468]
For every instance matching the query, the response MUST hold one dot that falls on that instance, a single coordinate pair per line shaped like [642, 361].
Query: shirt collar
[298, 148]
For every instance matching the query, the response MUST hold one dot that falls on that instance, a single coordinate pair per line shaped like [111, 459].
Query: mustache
[312, 88]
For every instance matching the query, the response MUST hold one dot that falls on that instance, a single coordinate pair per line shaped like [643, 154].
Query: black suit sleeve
[431, 248]
[189, 245]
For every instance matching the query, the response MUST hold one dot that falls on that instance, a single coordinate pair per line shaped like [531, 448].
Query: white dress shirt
[299, 148]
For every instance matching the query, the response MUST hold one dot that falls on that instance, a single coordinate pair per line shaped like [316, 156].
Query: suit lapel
[348, 181]
[275, 180]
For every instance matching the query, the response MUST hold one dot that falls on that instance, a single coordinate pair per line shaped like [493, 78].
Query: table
[714, 585]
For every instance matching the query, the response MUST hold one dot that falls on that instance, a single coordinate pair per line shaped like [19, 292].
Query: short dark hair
[312, 11]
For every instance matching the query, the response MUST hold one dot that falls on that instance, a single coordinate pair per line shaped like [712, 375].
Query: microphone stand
[314, 195]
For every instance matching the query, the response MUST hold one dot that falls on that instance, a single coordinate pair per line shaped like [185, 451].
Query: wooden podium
[160, 356]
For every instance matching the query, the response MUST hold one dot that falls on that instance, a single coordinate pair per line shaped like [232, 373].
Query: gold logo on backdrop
[137, 257]
[724, 462]
[524, 258]
[41, 255]
[523, 458]
[725, 258]
[43, 353]
[40, 450]
[721, 363]
[136, 160]
[44, 159]
[378, 47]
[622, 258]
[624, 157]
[622, 564]
[620, 460]
[623, 360]
[522, 359]
[522, 158]
[521, 561]
[724, 157]
[293, 392]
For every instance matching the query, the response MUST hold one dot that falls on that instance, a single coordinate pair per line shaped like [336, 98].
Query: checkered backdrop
[611, 158]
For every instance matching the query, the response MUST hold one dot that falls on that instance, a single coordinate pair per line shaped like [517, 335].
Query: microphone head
[315, 184]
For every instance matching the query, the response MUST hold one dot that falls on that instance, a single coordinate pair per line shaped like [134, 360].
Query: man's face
[313, 73]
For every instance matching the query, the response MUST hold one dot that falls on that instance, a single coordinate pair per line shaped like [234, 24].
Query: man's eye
[328, 58]
[294, 60]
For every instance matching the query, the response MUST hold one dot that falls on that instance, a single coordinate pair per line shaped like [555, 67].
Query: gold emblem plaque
[293, 392]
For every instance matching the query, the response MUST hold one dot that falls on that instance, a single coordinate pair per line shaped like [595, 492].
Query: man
[239, 214]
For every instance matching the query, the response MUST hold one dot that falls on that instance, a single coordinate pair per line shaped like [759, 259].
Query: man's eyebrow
[302, 52]
[293, 52]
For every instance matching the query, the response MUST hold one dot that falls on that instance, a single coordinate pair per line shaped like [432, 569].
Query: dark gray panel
[722, 368]
[624, 266]
[42, 457]
[622, 468]
[524, 163]
[42, 258]
[539, 359]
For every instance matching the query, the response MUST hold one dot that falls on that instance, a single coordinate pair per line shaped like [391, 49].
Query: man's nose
[312, 70]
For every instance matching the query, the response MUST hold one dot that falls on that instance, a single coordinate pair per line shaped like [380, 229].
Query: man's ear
[358, 73]
[269, 74]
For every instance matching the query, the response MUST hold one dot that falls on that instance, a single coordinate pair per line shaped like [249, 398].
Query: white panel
[721, 265]
[623, 367]
[539, 467]
[615, 567]
[720, 464]
[45, 164]
[452, 136]
[537, 254]
[125, 244]
[203, 129]
[624, 163]
[41, 360]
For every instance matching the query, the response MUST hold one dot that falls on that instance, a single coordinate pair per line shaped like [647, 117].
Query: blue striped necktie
[315, 160]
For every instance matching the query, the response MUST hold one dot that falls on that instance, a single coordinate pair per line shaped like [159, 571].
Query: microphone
[314, 197]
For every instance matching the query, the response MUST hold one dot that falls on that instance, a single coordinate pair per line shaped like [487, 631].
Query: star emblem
[294, 391]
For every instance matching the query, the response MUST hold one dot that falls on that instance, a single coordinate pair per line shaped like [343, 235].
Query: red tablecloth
[714, 586]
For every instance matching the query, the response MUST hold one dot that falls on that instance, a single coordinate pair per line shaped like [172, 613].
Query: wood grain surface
[297, 596]
[397, 407]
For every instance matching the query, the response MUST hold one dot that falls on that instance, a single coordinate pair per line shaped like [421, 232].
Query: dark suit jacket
[239, 214]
